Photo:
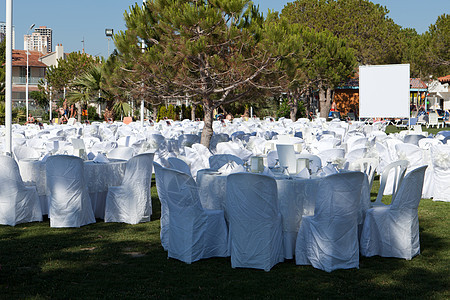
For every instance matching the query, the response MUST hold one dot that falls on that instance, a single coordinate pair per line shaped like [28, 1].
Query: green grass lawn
[111, 260]
[431, 130]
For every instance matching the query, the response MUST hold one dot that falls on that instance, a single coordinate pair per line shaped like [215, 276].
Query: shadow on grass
[110, 260]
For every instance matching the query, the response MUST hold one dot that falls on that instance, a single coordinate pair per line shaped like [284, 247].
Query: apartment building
[19, 76]
[39, 40]
[3, 33]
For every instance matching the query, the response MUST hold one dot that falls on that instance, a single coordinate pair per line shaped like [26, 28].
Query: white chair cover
[67, 192]
[18, 203]
[24, 152]
[412, 153]
[194, 233]
[315, 163]
[131, 201]
[235, 148]
[440, 156]
[198, 156]
[287, 158]
[335, 156]
[254, 220]
[217, 161]
[163, 196]
[393, 230]
[217, 138]
[121, 153]
[187, 140]
[179, 164]
[328, 240]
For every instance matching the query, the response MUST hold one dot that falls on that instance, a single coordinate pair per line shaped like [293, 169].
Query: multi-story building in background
[3, 33]
[40, 40]
[19, 75]
[48, 32]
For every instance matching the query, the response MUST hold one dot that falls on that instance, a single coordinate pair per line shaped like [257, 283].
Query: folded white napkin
[231, 167]
[304, 173]
[100, 158]
[90, 156]
[267, 172]
[329, 170]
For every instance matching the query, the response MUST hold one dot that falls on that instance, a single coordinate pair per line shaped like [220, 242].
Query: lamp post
[26, 89]
[142, 101]
[8, 78]
[109, 33]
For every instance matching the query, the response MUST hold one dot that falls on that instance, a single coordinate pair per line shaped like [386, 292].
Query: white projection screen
[384, 91]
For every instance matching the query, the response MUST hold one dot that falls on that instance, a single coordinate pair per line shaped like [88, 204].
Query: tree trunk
[207, 131]
[323, 105]
[193, 107]
[293, 105]
[78, 105]
[154, 112]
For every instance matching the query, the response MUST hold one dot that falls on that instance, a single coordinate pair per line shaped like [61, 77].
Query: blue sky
[73, 21]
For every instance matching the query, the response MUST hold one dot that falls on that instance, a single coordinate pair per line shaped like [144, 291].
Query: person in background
[66, 109]
[62, 115]
[30, 119]
[333, 106]
[72, 111]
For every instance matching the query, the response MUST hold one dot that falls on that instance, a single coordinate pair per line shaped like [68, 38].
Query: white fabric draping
[393, 230]
[328, 240]
[68, 197]
[255, 226]
[18, 203]
[131, 201]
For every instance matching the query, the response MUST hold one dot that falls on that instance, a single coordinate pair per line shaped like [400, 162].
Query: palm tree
[88, 87]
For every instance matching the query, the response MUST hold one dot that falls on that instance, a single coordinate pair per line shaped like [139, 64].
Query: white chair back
[396, 171]
[287, 158]
[69, 201]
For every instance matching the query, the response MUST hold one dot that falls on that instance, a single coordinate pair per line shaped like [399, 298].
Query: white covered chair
[287, 158]
[235, 148]
[25, 152]
[198, 156]
[18, 203]
[217, 161]
[393, 230]
[412, 153]
[67, 192]
[440, 157]
[187, 140]
[194, 233]
[315, 163]
[179, 164]
[124, 153]
[335, 156]
[367, 165]
[131, 201]
[328, 240]
[256, 239]
[163, 196]
[391, 177]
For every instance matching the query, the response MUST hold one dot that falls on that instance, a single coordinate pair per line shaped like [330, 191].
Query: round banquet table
[98, 177]
[296, 197]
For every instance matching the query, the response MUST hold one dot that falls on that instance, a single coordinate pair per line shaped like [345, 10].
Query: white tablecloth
[98, 176]
[296, 197]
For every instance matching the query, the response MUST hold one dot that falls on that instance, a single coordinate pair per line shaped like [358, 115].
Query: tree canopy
[212, 52]
[365, 26]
